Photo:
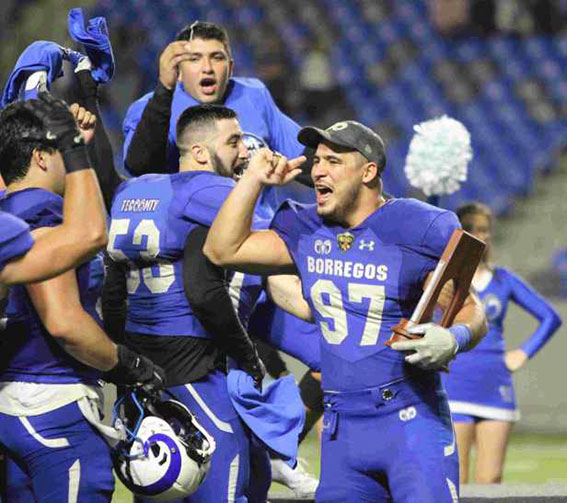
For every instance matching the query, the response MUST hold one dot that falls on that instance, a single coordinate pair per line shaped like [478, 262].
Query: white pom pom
[439, 153]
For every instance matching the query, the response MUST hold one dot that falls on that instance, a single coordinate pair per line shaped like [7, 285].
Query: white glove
[434, 350]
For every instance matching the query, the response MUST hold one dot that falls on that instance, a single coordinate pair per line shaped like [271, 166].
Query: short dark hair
[202, 116]
[21, 132]
[205, 31]
[473, 208]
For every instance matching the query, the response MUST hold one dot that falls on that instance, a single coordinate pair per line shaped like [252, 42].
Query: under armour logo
[322, 247]
[366, 245]
[407, 414]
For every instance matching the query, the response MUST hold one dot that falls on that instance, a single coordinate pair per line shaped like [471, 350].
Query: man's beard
[229, 171]
[347, 204]
[219, 167]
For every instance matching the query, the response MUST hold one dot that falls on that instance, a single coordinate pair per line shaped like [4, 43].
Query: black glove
[255, 368]
[136, 370]
[62, 130]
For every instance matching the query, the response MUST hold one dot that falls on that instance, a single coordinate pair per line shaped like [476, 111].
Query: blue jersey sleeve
[15, 239]
[530, 300]
[50, 215]
[283, 130]
[435, 240]
[438, 234]
[204, 202]
[286, 224]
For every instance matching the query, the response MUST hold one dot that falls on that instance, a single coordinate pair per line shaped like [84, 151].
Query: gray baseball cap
[349, 134]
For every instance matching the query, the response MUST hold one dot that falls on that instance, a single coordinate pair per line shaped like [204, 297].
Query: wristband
[463, 336]
[76, 159]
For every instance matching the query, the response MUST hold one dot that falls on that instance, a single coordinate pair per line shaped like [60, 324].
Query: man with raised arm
[53, 349]
[363, 261]
[83, 230]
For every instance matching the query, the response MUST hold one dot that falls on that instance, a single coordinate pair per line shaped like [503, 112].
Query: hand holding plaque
[457, 265]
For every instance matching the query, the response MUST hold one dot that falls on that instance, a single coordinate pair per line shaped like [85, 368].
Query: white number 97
[333, 308]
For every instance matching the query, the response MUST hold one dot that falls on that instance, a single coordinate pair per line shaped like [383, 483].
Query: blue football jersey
[29, 353]
[360, 282]
[15, 238]
[151, 218]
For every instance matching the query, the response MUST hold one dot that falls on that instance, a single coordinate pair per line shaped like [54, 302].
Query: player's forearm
[147, 152]
[84, 216]
[232, 225]
[473, 316]
[285, 291]
[113, 300]
[207, 294]
[55, 251]
[99, 148]
[84, 340]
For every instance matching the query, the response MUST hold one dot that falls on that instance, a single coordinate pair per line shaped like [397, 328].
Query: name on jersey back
[139, 205]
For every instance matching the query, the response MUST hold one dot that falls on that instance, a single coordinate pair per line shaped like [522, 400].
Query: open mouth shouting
[208, 86]
[323, 192]
[239, 170]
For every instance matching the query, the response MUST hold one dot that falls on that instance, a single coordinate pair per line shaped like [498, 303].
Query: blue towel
[276, 415]
[96, 42]
[38, 56]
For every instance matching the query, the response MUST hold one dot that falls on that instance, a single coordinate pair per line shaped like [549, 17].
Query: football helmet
[167, 454]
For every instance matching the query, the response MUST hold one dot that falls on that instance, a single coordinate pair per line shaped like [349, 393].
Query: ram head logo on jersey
[253, 143]
[345, 241]
[492, 307]
[322, 247]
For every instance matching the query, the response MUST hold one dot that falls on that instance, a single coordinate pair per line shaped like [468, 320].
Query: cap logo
[368, 149]
[339, 126]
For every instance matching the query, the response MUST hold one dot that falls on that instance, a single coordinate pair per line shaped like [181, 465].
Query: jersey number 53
[145, 229]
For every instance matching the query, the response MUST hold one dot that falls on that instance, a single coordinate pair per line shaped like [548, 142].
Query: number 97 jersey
[151, 218]
[361, 281]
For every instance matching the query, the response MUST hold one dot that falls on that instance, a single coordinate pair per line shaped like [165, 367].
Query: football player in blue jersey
[158, 223]
[53, 351]
[197, 68]
[363, 262]
[479, 385]
[66, 246]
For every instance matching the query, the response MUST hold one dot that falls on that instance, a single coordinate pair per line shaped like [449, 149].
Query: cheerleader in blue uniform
[479, 384]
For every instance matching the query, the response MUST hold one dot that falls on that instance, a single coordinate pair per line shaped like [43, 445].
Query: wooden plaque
[458, 263]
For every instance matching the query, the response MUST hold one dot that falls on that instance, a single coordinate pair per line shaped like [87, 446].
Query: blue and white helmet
[167, 455]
